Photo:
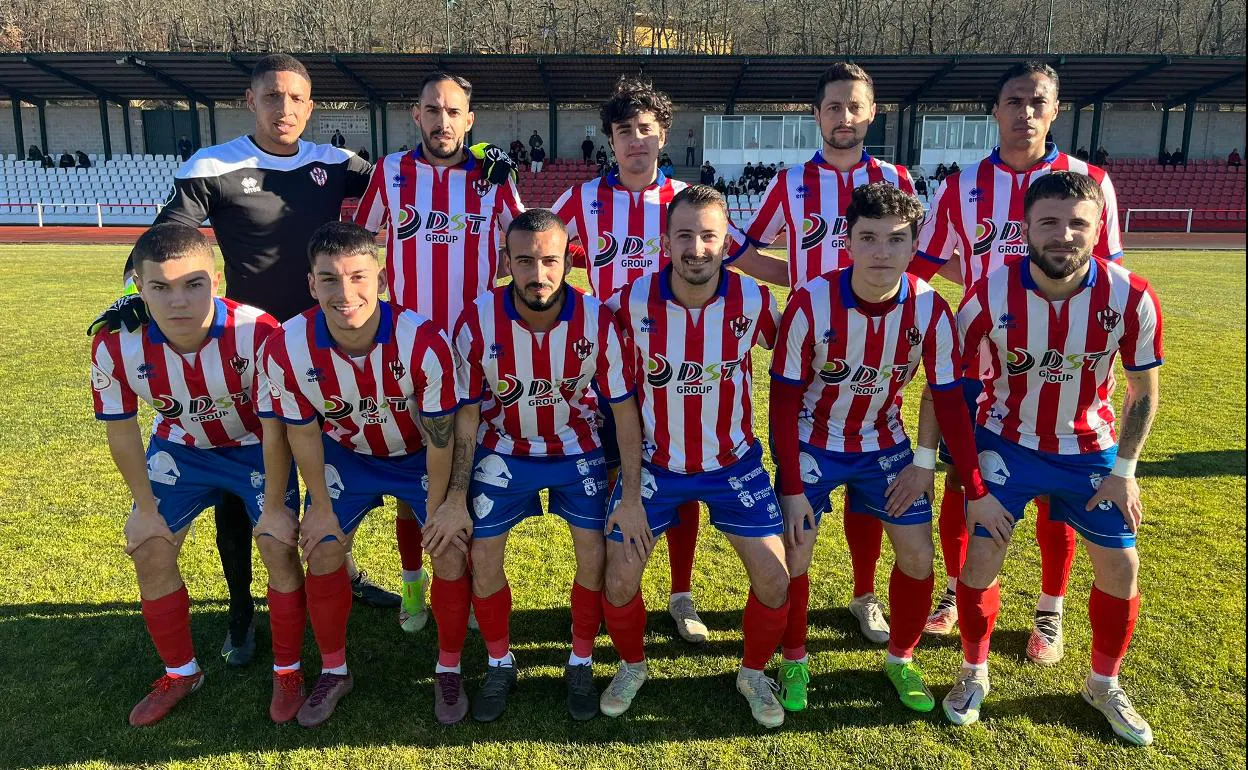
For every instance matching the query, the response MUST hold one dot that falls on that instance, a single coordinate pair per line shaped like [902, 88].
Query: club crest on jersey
[239, 364]
[913, 337]
[1010, 234]
[439, 227]
[481, 187]
[319, 176]
[1053, 366]
[1108, 318]
[145, 371]
[739, 326]
[583, 348]
[314, 374]
[397, 369]
[250, 185]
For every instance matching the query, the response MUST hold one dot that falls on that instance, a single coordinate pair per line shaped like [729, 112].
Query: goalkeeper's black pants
[234, 545]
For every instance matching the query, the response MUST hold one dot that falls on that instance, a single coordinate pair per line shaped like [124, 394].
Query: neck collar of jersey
[1050, 155]
[565, 313]
[467, 164]
[613, 178]
[819, 160]
[325, 340]
[215, 329]
[1029, 282]
[298, 148]
[665, 283]
[847, 290]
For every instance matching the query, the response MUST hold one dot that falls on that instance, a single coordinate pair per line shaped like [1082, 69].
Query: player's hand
[797, 514]
[448, 526]
[911, 484]
[130, 312]
[144, 524]
[496, 165]
[280, 523]
[987, 512]
[630, 517]
[1124, 493]
[319, 522]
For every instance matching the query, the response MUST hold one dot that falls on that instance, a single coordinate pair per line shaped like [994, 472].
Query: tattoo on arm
[461, 466]
[439, 429]
[1136, 424]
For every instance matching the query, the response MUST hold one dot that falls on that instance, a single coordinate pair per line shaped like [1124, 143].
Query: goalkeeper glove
[496, 165]
[130, 311]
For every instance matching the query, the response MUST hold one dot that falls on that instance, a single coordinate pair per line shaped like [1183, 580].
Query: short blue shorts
[1015, 474]
[504, 490]
[186, 480]
[866, 474]
[357, 481]
[740, 497]
[971, 388]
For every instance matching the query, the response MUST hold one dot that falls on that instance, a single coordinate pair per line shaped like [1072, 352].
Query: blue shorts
[739, 497]
[186, 480]
[971, 388]
[504, 490]
[357, 481]
[606, 435]
[866, 474]
[1015, 474]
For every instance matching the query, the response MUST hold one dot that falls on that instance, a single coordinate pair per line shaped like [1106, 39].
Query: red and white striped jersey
[619, 229]
[978, 212]
[541, 389]
[855, 366]
[368, 406]
[696, 412]
[209, 399]
[443, 230]
[1054, 361]
[808, 202]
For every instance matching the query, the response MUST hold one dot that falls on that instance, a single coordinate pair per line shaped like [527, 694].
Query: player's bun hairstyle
[438, 76]
[337, 239]
[699, 196]
[1063, 185]
[279, 62]
[633, 96]
[170, 240]
[842, 70]
[880, 199]
[1022, 69]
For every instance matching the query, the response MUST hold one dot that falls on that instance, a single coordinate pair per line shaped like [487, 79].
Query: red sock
[793, 642]
[864, 534]
[977, 614]
[627, 627]
[494, 618]
[288, 615]
[169, 624]
[908, 602]
[953, 534]
[1113, 622]
[586, 619]
[451, 600]
[682, 541]
[411, 544]
[762, 627]
[329, 606]
[1057, 550]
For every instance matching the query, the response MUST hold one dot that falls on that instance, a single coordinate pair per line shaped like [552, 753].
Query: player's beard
[1057, 269]
[539, 306]
[696, 279]
[433, 149]
[844, 141]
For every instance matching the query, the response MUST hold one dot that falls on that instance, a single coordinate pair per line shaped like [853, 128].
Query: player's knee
[488, 576]
[280, 559]
[771, 584]
[620, 586]
[1117, 571]
[449, 565]
[914, 557]
[326, 557]
[155, 557]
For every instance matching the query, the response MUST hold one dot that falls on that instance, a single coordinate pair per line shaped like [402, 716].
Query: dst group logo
[1008, 238]
[690, 377]
[1052, 365]
[815, 228]
[199, 408]
[511, 389]
[372, 411]
[863, 380]
[631, 253]
[438, 226]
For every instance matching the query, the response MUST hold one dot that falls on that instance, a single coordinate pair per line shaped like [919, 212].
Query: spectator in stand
[754, 186]
[184, 148]
[522, 157]
[721, 186]
[587, 150]
[748, 171]
[667, 167]
[515, 149]
[771, 171]
[67, 160]
[536, 159]
[733, 189]
[691, 147]
[1163, 159]
[1177, 158]
[535, 141]
[338, 140]
[1081, 153]
[940, 173]
[34, 153]
[48, 161]
[603, 160]
[953, 168]
[1102, 156]
[920, 186]
[83, 160]
[363, 153]
[707, 175]
[1233, 160]
[405, 148]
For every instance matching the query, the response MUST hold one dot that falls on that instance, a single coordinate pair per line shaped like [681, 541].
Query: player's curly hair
[632, 96]
[881, 199]
[1063, 185]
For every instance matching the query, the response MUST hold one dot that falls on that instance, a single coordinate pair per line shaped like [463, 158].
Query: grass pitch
[74, 656]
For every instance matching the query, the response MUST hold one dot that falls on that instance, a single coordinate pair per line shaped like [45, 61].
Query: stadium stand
[1212, 191]
[127, 190]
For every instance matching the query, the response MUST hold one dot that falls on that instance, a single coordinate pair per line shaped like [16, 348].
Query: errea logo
[250, 185]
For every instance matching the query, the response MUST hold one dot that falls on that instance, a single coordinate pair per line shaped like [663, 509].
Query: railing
[52, 208]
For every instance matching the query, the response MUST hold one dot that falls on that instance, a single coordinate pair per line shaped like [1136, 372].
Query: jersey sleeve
[795, 345]
[767, 223]
[508, 205]
[941, 360]
[973, 318]
[937, 239]
[114, 400]
[438, 389]
[1141, 342]
[373, 210]
[614, 374]
[904, 182]
[768, 321]
[287, 402]
[359, 175]
[261, 393]
[1109, 245]
[192, 200]
[468, 352]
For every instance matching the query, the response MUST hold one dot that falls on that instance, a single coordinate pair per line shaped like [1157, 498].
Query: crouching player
[377, 377]
[538, 356]
[1054, 323]
[195, 363]
[691, 328]
[849, 342]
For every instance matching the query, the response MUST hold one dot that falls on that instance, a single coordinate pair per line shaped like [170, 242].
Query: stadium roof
[569, 79]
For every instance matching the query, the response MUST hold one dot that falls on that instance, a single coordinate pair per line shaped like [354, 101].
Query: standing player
[537, 356]
[361, 384]
[692, 327]
[194, 362]
[443, 208]
[849, 343]
[978, 214]
[809, 203]
[264, 193]
[1047, 428]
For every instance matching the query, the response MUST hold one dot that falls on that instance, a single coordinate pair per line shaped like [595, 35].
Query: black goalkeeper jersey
[263, 208]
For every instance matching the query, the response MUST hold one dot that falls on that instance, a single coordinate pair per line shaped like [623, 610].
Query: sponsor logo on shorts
[1095, 479]
[585, 465]
[590, 486]
[257, 479]
[649, 487]
[162, 469]
[493, 470]
[738, 482]
[993, 467]
[886, 462]
[333, 481]
[809, 468]
[481, 506]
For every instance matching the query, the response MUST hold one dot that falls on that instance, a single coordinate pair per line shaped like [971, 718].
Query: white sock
[339, 670]
[1107, 682]
[802, 659]
[745, 670]
[509, 660]
[682, 595]
[413, 576]
[951, 585]
[441, 669]
[284, 669]
[186, 669]
[1048, 603]
[891, 658]
[577, 660]
[979, 668]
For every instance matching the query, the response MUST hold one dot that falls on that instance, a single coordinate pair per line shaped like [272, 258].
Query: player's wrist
[1124, 468]
[925, 458]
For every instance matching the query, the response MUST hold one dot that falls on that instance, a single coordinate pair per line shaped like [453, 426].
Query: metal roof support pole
[912, 142]
[18, 136]
[125, 123]
[212, 122]
[197, 139]
[372, 126]
[1165, 130]
[1094, 143]
[385, 129]
[901, 124]
[1077, 109]
[1189, 114]
[730, 108]
[104, 135]
[552, 113]
[41, 107]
